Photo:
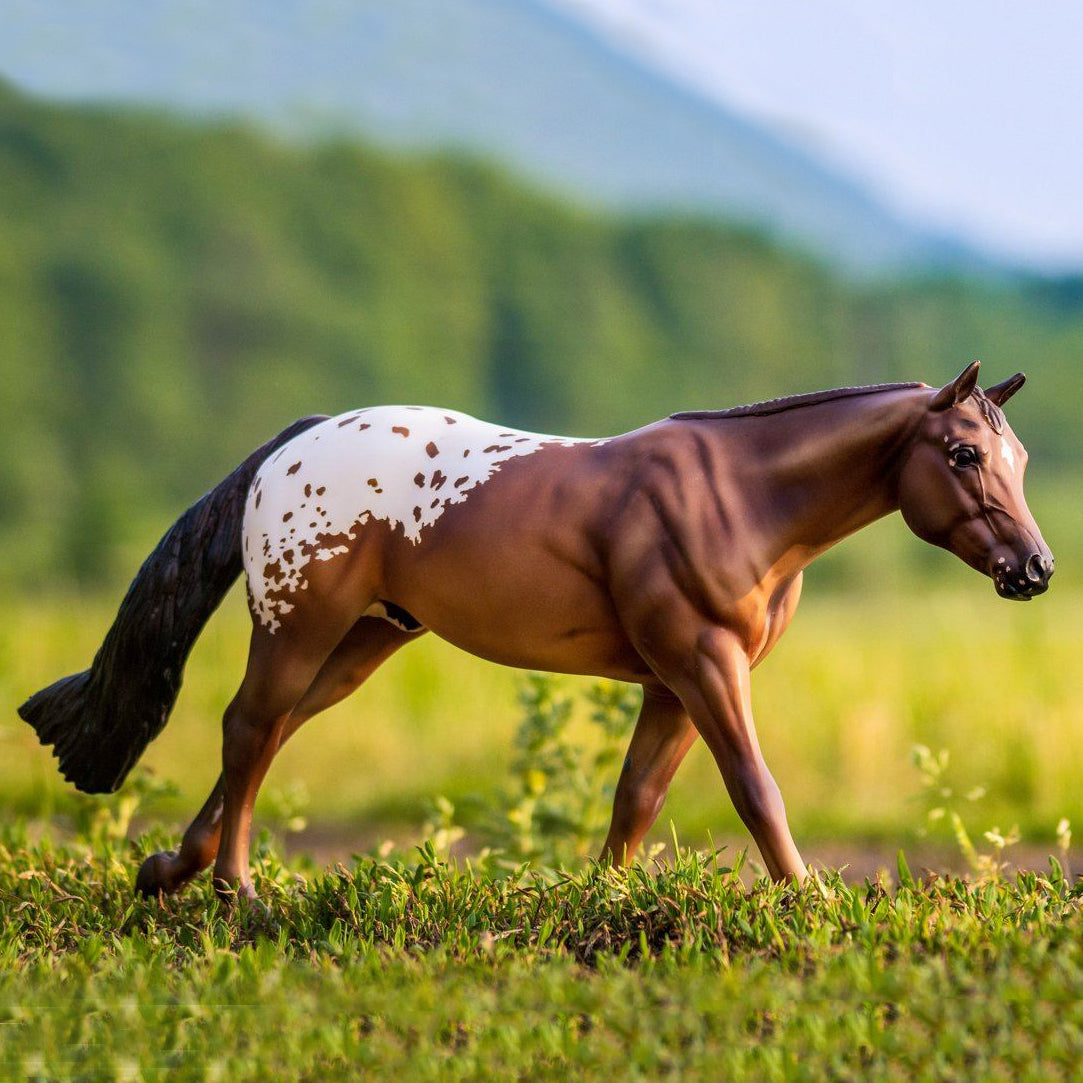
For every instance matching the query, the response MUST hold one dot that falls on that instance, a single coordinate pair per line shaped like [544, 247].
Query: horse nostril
[1037, 569]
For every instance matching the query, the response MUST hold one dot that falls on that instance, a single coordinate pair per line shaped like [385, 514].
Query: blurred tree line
[171, 294]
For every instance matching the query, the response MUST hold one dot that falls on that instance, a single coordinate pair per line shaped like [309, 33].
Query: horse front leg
[711, 675]
[720, 703]
[663, 734]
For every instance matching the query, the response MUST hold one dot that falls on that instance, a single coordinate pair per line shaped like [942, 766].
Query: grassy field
[417, 970]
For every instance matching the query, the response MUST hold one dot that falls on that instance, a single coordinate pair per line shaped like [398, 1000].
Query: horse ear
[960, 389]
[1000, 394]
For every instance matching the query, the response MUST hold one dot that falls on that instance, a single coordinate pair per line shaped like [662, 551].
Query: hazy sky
[963, 115]
[967, 114]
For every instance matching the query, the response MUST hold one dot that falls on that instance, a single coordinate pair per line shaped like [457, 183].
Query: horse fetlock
[162, 874]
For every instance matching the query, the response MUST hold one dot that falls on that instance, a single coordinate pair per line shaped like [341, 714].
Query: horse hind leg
[167, 871]
[367, 645]
[278, 674]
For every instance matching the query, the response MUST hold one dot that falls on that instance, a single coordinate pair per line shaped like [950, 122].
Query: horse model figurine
[670, 556]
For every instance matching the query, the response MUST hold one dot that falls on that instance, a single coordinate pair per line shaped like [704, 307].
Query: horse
[671, 556]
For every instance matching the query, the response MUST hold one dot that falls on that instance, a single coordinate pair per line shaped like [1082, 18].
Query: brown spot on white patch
[373, 482]
[321, 490]
[293, 469]
[419, 479]
[346, 421]
[308, 492]
[450, 420]
[497, 448]
[438, 479]
[259, 497]
[459, 482]
[431, 450]
[287, 556]
[435, 503]
[402, 430]
[417, 515]
[364, 425]
[287, 517]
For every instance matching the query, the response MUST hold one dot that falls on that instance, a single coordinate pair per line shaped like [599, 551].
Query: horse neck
[832, 468]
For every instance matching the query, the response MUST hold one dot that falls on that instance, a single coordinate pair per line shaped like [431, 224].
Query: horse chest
[777, 614]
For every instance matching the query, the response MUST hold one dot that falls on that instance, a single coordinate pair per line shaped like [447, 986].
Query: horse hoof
[158, 874]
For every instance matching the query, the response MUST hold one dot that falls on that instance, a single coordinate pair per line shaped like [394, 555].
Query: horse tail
[100, 721]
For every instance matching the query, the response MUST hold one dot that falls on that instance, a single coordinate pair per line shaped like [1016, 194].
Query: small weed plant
[557, 804]
[946, 803]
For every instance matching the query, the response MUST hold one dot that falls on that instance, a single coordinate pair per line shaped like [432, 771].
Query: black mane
[790, 402]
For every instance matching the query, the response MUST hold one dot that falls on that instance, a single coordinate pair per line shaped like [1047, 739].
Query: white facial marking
[403, 465]
[1007, 454]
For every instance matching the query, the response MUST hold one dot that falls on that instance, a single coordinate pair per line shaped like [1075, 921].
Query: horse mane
[790, 402]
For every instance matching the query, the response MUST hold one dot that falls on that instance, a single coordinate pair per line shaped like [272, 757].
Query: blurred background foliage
[172, 293]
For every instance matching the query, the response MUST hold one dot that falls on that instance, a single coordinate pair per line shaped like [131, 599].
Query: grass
[413, 968]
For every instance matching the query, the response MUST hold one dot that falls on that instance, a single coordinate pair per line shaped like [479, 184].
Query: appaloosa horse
[670, 556]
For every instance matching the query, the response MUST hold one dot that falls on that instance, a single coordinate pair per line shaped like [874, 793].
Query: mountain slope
[512, 79]
[173, 294]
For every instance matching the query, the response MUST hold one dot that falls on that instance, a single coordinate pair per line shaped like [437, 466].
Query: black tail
[100, 721]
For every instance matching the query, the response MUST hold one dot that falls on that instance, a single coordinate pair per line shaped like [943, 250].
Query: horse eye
[963, 457]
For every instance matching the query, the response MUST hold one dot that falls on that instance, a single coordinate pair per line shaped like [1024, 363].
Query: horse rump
[100, 721]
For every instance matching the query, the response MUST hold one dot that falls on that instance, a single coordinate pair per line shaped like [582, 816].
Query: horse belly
[507, 580]
[514, 623]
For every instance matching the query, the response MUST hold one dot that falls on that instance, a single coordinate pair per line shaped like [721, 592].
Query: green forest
[173, 293]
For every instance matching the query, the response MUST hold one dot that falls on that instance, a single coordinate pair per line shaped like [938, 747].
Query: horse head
[961, 486]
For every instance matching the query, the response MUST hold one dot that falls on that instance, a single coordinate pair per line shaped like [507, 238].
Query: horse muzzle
[1021, 583]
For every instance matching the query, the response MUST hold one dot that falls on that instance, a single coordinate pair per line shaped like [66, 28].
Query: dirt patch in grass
[858, 860]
